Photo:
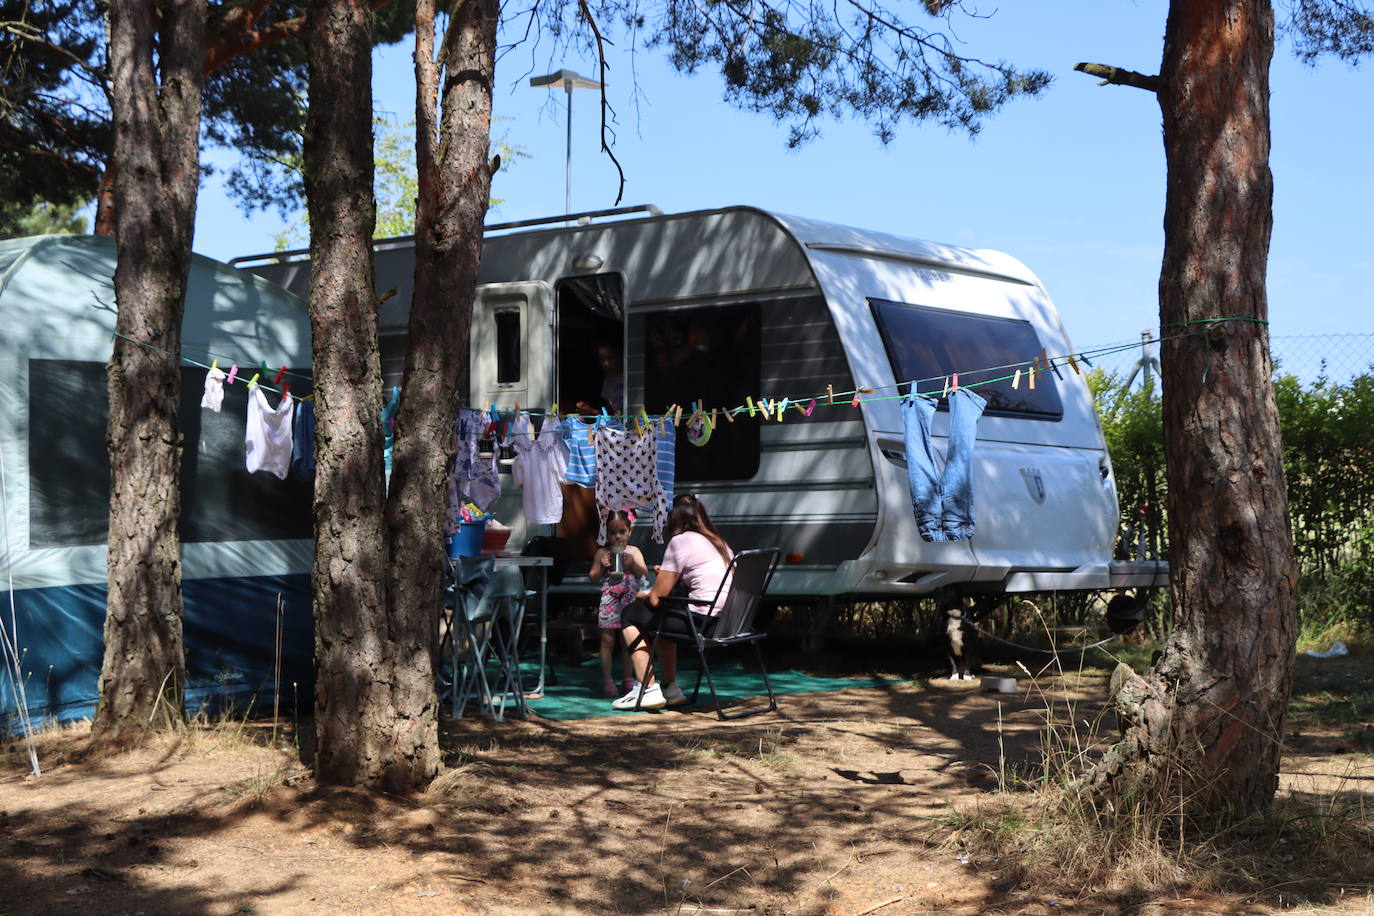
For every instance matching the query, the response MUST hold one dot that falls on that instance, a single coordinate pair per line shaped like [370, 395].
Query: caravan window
[925, 343]
[711, 355]
[507, 346]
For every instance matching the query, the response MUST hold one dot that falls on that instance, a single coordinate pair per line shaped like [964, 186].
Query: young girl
[616, 592]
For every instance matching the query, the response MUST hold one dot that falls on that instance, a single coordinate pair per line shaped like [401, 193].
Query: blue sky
[1071, 183]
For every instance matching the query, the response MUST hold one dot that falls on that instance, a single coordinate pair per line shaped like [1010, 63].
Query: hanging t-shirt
[581, 451]
[541, 466]
[267, 438]
[213, 398]
[626, 476]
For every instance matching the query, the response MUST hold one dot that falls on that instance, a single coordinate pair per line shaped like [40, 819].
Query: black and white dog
[958, 635]
[959, 638]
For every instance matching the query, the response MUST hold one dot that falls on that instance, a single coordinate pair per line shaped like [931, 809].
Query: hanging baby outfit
[213, 398]
[942, 502]
[627, 478]
[541, 466]
[267, 438]
[472, 479]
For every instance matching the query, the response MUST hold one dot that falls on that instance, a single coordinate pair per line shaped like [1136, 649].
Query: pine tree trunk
[156, 155]
[454, 188]
[356, 669]
[1207, 723]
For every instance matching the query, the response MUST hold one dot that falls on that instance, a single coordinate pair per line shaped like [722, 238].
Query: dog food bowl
[999, 684]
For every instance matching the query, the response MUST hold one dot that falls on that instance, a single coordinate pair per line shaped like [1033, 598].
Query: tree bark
[1207, 722]
[454, 189]
[356, 669]
[156, 154]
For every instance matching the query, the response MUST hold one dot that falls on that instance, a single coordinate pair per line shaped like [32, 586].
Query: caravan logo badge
[1035, 483]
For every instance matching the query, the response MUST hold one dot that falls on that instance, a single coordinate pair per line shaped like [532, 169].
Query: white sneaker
[653, 699]
[673, 695]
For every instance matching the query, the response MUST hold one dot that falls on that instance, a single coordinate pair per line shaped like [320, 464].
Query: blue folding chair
[488, 612]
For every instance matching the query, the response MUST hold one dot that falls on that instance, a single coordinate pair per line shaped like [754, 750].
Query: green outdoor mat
[574, 692]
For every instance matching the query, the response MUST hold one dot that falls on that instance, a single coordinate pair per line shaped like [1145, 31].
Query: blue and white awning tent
[245, 537]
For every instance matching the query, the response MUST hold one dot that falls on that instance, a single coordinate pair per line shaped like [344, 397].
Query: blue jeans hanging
[942, 503]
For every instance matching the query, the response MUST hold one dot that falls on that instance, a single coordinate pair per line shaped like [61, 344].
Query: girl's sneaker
[608, 689]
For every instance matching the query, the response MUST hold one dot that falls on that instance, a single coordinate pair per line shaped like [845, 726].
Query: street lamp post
[569, 81]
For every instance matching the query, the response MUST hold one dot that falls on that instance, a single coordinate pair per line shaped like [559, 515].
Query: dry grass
[467, 787]
[1047, 832]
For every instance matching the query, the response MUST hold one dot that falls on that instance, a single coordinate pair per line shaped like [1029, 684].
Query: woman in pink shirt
[698, 557]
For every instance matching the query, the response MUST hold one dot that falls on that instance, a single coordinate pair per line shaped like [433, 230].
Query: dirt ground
[839, 803]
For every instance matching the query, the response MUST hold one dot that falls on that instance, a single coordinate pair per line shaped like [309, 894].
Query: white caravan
[722, 305]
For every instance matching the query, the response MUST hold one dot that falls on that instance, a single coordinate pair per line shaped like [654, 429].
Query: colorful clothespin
[233, 371]
[1016, 379]
[810, 407]
[262, 367]
[253, 381]
[1030, 376]
[1086, 362]
[766, 407]
[677, 414]
[783, 409]
[750, 401]
[830, 393]
[730, 413]
[553, 409]
[954, 382]
[276, 379]
[214, 364]
[1073, 365]
[285, 391]
[855, 401]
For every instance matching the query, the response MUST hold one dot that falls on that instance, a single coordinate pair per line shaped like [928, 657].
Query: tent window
[507, 346]
[927, 343]
[69, 477]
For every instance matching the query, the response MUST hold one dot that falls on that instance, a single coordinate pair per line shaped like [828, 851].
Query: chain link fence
[1336, 357]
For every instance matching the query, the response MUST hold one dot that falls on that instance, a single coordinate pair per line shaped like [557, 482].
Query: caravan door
[511, 345]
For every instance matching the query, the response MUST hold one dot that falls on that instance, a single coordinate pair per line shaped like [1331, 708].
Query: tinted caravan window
[925, 343]
[69, 470]
[710, 355]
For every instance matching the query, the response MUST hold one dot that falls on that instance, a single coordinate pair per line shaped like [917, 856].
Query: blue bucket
[468, 541]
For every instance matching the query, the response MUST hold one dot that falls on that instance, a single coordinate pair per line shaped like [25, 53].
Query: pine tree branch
[242, 38]
[27, 32]
[1118, 77]
[601, 61]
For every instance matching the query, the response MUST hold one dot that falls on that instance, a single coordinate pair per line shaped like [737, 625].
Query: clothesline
[776, 408]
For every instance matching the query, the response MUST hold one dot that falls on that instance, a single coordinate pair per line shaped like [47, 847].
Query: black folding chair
[750, 572]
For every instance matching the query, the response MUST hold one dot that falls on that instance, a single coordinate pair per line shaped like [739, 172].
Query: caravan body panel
[831, 489]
